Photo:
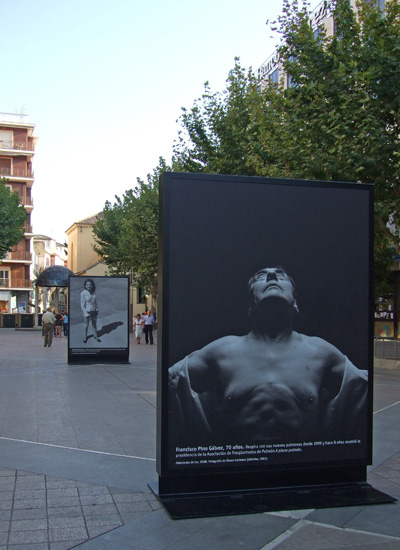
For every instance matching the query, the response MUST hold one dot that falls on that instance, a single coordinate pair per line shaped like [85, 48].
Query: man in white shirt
[148, 327]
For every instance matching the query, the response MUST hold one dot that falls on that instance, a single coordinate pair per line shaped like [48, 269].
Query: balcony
[17, 146]
[27, 201]
[15, 283]
[21, 283]
[28, 228]
[22, 173]
[18, 256]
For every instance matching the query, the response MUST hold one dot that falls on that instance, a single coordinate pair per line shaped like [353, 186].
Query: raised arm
[339, 370]
[345, 388]
[200, 368]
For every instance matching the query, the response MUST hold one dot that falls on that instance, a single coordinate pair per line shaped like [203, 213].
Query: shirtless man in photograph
[272, 384]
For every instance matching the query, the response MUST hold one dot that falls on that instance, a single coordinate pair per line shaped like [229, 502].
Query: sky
[104, 82]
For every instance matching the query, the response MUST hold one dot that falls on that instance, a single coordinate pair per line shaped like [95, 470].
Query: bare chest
[291, 375]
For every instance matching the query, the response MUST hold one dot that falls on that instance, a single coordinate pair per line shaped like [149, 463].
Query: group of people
[144, 324]
[53, 324]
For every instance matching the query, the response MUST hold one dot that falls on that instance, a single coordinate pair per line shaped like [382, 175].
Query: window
[140, 295]
[4, 278]
[274, 77]
[317, 34]
[290, 82]
[6, 139]
[5, 166]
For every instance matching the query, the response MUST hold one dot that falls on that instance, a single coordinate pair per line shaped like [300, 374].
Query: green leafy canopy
[339, 120]
[127, 234]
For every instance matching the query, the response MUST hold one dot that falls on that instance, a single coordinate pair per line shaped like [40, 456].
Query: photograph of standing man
[272, 384]
[148, 327]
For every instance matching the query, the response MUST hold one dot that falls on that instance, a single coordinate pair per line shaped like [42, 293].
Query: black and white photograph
[272, 384]
[266, 308]
[98, 321]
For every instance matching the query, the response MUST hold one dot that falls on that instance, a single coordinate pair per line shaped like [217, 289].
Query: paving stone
[57, 535]
[56, 502]
[60, 483]
[6, 495]
[93, 490]
[4, 526]
[34, 513]
[98, 510]
[66, 523]
[129, 507]
[28, 537]
[6, 472]
[128, 497]
[96, 499]
[30, 546]
[28, 525]
[29, 504]
[114, 519]
[65, 512]
[7, 484]
[64, 545]
[62, 492]
[28, 495]
[5, 515]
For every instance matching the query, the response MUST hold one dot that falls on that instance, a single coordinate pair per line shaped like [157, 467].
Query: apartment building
[271, 71]
[17, 148]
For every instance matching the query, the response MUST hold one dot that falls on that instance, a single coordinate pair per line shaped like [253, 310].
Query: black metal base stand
[227, 503]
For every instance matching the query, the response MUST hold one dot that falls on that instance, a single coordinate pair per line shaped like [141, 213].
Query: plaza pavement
[77, 450]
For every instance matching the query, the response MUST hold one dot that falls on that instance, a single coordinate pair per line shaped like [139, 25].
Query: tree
[216, 133]
[127, 235]
[338, 121]
[12, 219]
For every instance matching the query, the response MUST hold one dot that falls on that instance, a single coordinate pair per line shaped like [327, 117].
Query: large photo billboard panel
[98, 319]
[266, 324]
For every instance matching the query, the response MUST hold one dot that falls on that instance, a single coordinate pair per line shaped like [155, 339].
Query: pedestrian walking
[138, 327]
[48, 322]
[65, 324]
[148, 327]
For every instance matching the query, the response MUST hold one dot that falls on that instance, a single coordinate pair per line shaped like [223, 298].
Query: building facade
[17, 148]
[81, 255]
[47, 252]
[271, 71]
